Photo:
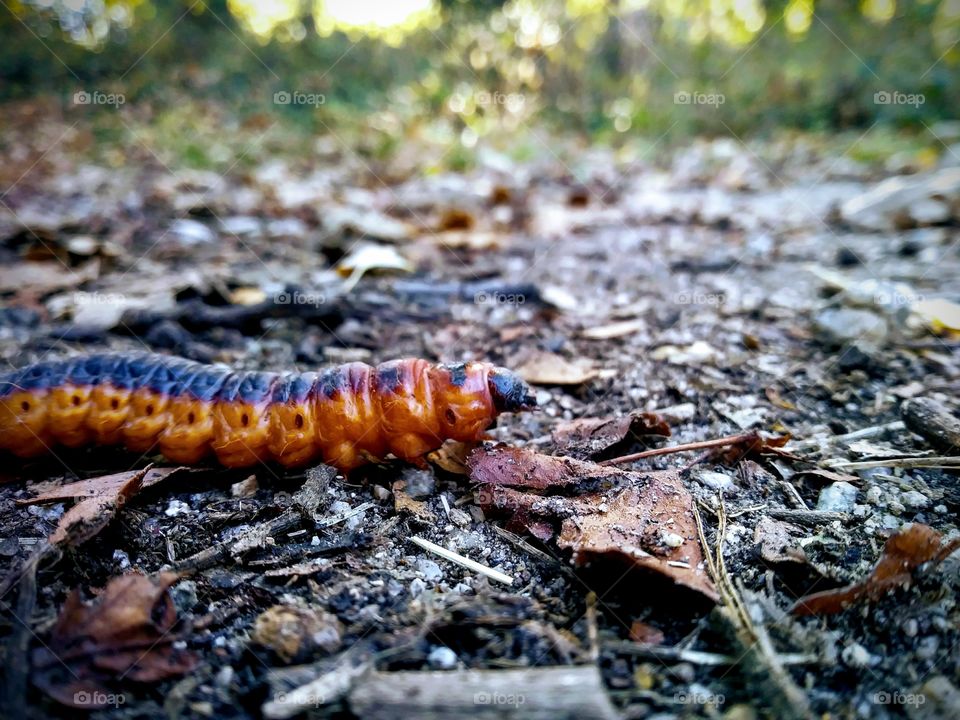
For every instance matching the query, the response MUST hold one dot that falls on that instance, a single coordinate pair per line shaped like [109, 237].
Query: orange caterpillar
[347, 415]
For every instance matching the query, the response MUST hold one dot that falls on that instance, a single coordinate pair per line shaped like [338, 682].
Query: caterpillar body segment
[345, 415]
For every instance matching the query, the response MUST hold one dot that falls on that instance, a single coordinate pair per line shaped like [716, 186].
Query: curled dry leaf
[125, 634]
[100, 500]
[753, 445]
[904, 552]
[545, 368]
[644, 520]
[594, 437]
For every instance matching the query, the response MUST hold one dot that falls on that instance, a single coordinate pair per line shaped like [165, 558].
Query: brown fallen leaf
[546, 368]
[645, 634]
[645, 520]
[904, 552]
[773, 395]
[614, 330]
[595, 437]
[125, 634]
[753, 445]
[46, 277]
[452, 456]
[403, 503]
[102, 497]
[776, 541]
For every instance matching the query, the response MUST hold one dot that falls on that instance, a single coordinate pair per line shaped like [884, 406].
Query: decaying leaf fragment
[643, 520]
[592, 437]
[100, 500]
[125, 634]
[904, 552]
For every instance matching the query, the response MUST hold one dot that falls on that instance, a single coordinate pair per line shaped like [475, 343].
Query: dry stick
[761, 664]
[702, 445]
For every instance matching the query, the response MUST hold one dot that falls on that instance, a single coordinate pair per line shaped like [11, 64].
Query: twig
[907, 463]
[862, 433]
[522, 544]
[762, 666]
[807, 517]
[671, 654]
[462, 561]
[701, 445]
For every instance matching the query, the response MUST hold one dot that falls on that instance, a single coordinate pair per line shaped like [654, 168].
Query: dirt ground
[724, 287]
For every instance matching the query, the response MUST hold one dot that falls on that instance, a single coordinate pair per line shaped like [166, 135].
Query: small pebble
[911, 627]
[184, 596]
[856, 655]
[896, 507]
[716, 481]
[245, 488]
[122, 559]
[459, 517]
[671, 539]
[429, 569]
[175, 508]
[915, 499]
[381, 493]
[442, 658]
[417, 586]
[873, 495]
[420, 483]
[838, 497]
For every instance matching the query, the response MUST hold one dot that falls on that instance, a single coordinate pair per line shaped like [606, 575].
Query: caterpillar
[346, 415]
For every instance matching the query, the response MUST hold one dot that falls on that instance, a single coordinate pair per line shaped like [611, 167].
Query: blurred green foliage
[473, 69]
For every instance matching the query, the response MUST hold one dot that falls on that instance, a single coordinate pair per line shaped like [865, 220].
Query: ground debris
[643, 520]
[125, 634]
[933, 422]
[596, 437]
[903, 553]
[549, 693]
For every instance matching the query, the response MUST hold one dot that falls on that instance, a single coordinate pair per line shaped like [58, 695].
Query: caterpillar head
[469, 396]
[509, 392]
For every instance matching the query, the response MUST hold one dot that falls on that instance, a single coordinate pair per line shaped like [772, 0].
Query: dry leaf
[645, 634]
[939, 314]
[452, 456]
[125, 634]
[596, 437]
[645, 520]
[904, 552]
[402, 502]
[45, 277]
[546, 368]
[614, 330]
[367, 257]
[102, 498]
[776, 541]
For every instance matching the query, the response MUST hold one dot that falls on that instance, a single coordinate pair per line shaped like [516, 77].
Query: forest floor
[759, 291]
